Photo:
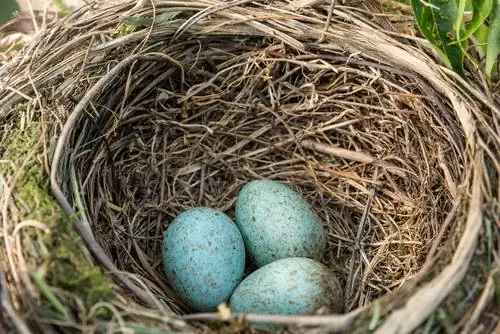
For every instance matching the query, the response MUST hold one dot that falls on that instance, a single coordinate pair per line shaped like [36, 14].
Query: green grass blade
[493, 48]
[461, 4]
[437, 20]
[481, 35]
[39, 280]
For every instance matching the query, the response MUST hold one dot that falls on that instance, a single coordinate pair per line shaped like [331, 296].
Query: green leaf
[437, 20]
[423, 16]
[9, 7]
[480, 11]
[493, 48]
[148, 21]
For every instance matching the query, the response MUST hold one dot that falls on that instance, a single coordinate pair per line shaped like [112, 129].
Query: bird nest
[134, 114]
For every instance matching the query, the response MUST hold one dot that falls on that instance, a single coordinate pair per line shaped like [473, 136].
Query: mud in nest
[370, 131]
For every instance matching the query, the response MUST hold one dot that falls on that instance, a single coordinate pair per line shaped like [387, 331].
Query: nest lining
[374, 141]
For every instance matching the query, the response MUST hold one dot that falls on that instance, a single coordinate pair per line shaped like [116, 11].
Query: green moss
[124, 29]
[67, 262]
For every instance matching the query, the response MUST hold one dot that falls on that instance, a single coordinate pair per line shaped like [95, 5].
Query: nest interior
[183, 113]
[367, 145]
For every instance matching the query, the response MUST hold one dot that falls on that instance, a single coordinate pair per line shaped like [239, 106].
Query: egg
[203, 257]
[276, 223]
[288, 286]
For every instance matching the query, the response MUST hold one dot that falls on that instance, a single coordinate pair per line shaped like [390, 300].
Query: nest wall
[151, 118]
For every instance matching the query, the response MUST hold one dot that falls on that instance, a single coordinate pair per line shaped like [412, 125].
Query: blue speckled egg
[288, 286]
[276, 223]
[203, 257]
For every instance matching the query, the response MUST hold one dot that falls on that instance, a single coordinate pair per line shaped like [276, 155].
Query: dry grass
[396, 154]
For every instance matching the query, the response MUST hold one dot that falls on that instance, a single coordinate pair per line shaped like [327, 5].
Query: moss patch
[68, 265]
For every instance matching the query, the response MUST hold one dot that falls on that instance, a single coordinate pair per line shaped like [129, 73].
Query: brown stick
[352, 155]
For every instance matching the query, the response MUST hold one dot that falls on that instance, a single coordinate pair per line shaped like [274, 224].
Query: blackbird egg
[276, 223]
[288, 286]
[203, 257]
